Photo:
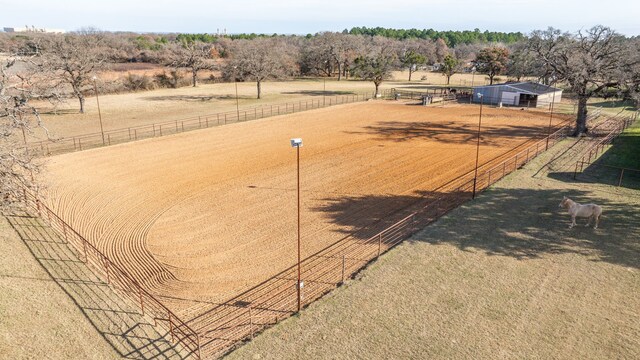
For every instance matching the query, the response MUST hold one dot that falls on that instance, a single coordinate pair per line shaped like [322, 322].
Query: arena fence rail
[123, 135]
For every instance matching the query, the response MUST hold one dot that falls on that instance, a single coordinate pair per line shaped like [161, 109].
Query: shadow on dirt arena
[447, 132]
[524, 224]
[129, 333]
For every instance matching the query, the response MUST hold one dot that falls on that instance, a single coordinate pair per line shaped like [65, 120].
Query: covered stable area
[525, 94]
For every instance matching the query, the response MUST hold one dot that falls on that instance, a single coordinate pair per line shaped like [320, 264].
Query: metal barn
[526, 94]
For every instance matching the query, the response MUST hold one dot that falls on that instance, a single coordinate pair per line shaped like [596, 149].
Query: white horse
[591, 211]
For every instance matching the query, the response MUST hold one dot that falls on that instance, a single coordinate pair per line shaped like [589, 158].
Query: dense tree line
[452, 38]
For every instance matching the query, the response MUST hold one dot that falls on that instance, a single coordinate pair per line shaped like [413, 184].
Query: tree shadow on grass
[519, 223]
[448, 132]
[120, 323]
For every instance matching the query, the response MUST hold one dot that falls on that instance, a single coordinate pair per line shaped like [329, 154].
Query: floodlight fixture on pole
[475, 176]
[297, 143]
[95, 88]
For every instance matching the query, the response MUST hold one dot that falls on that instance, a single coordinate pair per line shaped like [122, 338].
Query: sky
[312, 16]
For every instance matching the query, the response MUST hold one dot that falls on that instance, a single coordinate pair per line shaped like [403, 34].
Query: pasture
[199, 217]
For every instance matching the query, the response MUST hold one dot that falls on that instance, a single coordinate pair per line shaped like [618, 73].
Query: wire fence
[123, 135]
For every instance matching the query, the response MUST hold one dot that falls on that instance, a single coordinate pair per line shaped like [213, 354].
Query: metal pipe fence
[216, 330]
[123, 135]
[599, 147]
[118, 278]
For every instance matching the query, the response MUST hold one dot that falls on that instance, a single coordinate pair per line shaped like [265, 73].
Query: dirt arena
[201, 216]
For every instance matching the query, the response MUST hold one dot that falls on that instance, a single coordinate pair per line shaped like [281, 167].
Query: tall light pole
[297, 143]
[324, 85]
[235, 81]
[550, 118]
[475, 177]
[95, 88]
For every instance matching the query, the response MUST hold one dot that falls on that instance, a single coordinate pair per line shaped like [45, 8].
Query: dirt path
[500, 277]
[204, 215]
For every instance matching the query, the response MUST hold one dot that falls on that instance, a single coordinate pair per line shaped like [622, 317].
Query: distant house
[528, 94]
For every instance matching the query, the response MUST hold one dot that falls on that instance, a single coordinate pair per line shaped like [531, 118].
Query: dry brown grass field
[200, 216]
[161, 105]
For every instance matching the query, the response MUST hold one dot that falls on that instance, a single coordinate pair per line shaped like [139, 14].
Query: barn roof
[527, 87]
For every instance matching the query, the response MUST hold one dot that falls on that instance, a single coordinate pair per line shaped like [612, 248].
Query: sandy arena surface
[203, 215]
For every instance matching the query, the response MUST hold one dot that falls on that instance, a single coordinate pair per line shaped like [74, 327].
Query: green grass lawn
[625, 151]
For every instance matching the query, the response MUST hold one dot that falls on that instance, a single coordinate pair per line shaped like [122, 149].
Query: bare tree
[378, 63]
[74, 59]
[441, 49]
[259, 60]
[195, 56]
[18, 116]
[492, 61]
[590, 62]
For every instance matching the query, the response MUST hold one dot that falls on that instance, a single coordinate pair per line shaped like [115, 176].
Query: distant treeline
[452, 38]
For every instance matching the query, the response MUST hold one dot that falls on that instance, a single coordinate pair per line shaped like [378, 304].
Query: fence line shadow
[129, 333]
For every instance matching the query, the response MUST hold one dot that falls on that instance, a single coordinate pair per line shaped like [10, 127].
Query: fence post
[379, 244]
[182, 125]
[141, 298]
[343, 268]
[170, 326]
[176, 126]
[489, 178]
[621, 175]
[504, 168]
[250, 322]
[135, 133]
[105, 263]
[515, 163]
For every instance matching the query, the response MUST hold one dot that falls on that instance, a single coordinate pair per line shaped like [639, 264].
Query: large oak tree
[591, 62]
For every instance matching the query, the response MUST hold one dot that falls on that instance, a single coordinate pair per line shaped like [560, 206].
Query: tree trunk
[410, 72]
[581, 119]
[78, 93]
[259, 84]
[339, 70]
[194, 75]
[377, 84]
[491, 79]
[448, 79]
